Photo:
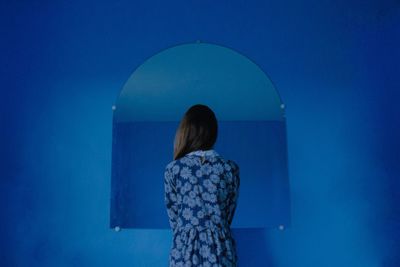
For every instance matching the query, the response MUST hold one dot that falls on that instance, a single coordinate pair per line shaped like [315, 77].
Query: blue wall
[335, 64]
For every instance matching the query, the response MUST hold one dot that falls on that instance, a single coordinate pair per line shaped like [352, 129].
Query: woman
[201, 193]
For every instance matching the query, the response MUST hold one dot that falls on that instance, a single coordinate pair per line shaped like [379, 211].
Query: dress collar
[210, 152]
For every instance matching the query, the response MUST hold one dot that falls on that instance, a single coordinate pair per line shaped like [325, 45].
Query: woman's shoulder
[170, 165]
[193, 161]
[177, 162]
[232, 164]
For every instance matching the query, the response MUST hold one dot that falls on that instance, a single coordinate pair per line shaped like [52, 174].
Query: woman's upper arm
[169, 185]
[234, 190]
[170, 197]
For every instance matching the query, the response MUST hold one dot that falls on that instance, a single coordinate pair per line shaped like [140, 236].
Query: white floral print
[201, 199]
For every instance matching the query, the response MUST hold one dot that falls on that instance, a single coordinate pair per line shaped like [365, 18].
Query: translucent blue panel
[142, 149]
[252, 132]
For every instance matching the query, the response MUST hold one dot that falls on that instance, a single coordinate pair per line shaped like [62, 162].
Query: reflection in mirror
[252, 132]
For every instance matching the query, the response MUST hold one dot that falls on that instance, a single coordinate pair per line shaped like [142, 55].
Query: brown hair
[197, 130]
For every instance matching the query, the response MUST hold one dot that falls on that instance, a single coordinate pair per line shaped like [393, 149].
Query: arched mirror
[252, 132]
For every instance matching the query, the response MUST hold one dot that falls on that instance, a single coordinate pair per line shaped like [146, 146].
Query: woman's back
[201, 193]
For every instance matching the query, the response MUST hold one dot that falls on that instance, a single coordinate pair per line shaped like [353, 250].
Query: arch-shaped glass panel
[252, 132]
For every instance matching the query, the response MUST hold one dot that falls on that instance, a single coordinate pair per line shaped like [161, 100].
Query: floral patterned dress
[201, 193]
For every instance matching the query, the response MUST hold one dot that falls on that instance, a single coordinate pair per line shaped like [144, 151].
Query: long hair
[198, 130]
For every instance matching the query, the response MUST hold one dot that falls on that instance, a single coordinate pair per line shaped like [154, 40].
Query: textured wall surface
[335, 64]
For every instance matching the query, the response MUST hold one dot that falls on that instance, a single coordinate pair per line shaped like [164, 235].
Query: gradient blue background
[335, 63]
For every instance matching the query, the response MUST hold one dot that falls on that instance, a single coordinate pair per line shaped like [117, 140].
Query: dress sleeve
[234, 195]
[170, 197]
